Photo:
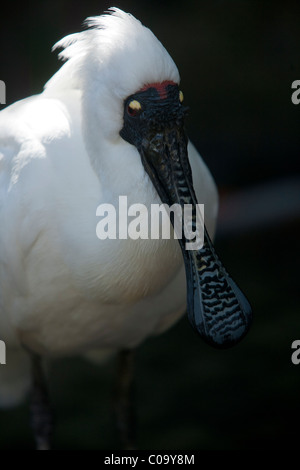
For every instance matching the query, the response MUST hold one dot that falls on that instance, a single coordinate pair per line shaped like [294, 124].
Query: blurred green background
[237, 61]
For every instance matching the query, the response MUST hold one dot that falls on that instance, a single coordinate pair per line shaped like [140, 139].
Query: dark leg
[124, 409]
[40, 412]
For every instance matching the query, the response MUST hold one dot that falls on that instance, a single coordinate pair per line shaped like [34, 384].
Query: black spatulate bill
[217, 308]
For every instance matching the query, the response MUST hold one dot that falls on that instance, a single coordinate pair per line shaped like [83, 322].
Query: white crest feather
[116, 51]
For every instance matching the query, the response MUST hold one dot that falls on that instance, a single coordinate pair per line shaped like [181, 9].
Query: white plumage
[62, 290]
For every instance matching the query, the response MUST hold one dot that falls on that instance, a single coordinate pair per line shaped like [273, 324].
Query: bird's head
[132, 85]
[108, 62]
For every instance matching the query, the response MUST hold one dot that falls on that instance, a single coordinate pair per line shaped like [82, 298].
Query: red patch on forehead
[161, 88]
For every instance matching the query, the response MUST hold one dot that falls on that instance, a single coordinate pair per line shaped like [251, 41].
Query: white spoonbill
[109, 123]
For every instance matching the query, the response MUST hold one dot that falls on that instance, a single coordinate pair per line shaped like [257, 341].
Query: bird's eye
[134, 108]
[181, 97]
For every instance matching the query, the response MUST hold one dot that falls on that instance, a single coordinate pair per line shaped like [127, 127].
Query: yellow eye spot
[135, 105]
[181, 97]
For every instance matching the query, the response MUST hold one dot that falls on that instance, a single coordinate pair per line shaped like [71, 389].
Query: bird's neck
[117, 165]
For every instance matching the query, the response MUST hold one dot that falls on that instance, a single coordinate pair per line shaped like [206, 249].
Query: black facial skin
[217, 309]
[154, 114]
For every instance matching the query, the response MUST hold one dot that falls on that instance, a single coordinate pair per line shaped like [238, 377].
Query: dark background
[237, 61]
